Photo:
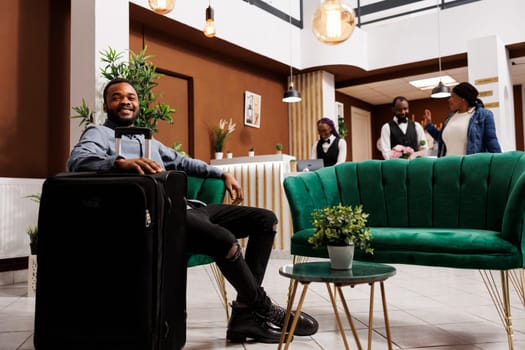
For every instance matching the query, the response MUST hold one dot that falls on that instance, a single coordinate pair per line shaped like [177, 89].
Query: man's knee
[234, 252]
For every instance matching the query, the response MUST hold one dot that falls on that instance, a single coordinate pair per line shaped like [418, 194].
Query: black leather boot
[306, 324]
[245, 324]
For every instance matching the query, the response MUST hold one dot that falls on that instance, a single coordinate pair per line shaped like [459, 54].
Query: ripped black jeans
[214, 229]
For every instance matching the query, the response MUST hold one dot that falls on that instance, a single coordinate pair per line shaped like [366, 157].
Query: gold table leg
[370, 315]
[289, 312]
[339, 323]
[349, 317]
[385, 313]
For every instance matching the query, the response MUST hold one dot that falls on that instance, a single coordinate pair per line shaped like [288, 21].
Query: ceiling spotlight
[162, 6]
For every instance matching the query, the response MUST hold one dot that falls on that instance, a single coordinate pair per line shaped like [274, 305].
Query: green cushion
[209, 191]
[199, 259]
[464, 248]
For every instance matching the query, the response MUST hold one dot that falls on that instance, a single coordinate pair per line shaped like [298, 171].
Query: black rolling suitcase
[111, 262]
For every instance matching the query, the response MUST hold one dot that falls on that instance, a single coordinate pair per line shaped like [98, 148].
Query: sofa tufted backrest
[454, 191]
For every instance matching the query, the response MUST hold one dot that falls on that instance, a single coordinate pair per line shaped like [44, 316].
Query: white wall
[409, 39]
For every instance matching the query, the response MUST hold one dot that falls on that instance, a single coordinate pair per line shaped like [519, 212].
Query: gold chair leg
[500, 301]
[517, 279]
[221, 285]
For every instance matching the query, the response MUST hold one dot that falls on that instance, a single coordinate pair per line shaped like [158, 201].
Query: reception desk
[261, 178]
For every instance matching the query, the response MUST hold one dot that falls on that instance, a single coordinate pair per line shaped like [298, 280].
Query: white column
[96, 25]
[488, 71]
[328, 96]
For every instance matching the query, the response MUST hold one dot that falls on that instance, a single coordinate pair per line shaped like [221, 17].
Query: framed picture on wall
[339, 110]
[252, 109]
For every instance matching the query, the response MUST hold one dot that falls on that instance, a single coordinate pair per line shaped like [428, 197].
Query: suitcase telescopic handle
[133, 131]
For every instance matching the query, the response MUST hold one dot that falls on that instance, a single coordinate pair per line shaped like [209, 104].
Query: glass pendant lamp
[162, 6]
[333, 22]
[291, 95]
[441, 90]
[209, 29]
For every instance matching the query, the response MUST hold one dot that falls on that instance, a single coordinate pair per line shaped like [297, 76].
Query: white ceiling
[383, 92]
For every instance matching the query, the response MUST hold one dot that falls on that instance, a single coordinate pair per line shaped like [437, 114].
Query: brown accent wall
[218, 86]
[34, 90]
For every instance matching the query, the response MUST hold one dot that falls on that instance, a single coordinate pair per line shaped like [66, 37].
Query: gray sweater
[96, 152]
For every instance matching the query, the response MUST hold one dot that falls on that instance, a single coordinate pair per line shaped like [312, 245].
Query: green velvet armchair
[209, 191]
[456, 211]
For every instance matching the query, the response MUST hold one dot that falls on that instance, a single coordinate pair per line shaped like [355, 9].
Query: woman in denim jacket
[469, 129]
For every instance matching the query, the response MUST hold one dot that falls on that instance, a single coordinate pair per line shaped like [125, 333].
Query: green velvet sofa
[456, 211]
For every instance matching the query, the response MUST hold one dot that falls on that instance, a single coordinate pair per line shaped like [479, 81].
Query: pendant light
[333, 22]
[162, 6]
[291, 95]
[441, 90]
[209, 29]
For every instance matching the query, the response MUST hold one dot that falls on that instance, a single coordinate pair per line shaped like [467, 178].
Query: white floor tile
[428, 308]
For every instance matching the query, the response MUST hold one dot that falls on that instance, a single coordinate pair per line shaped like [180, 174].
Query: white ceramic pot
[341, 257]
[229, 155]
[218, 155]
[251, 153]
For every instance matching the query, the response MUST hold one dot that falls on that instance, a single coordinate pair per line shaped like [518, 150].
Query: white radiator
[17, 213]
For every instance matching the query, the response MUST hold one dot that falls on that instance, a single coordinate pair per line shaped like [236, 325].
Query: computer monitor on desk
[309, 165]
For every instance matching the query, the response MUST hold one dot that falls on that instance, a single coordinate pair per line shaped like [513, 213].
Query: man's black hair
[113, 82]
[398, 98]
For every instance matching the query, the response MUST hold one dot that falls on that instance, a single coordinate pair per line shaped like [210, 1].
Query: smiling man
[212, 230]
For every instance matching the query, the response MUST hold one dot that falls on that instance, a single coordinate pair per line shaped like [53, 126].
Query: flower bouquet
[400, 151]
[224, 129]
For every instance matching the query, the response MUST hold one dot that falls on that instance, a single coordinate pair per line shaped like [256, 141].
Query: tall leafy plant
[144, 76]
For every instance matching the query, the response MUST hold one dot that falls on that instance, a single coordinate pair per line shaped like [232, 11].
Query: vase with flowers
[220, 132]
[404, 152]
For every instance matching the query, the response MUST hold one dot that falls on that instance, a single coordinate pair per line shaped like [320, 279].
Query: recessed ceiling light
[430, 83]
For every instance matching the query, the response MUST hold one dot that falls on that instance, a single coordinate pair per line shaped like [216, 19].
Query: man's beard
[113, 115]
[403, 118]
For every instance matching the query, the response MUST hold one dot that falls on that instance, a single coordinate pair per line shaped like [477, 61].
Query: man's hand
[233, 188]
[140, 165]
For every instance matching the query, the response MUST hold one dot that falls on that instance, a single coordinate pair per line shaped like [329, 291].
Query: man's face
[401, 108]
[122, 104]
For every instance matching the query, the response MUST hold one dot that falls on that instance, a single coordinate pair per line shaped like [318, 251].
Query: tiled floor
[429, 308]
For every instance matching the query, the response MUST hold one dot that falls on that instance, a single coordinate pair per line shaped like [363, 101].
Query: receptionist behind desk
[331, 148]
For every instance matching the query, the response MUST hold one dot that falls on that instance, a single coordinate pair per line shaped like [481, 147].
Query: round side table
[361, 273]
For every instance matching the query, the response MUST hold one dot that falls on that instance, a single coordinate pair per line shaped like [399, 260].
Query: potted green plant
[251, 152]
[279, 148]
[341, 228]
[32, 230]
[144, 76]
